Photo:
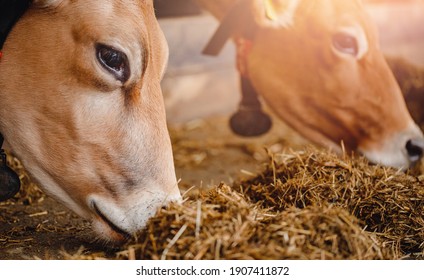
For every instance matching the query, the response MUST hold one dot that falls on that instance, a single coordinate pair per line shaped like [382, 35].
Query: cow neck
[10, 12]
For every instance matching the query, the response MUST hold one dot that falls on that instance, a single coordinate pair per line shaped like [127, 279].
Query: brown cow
[318, 65]
[81, 105]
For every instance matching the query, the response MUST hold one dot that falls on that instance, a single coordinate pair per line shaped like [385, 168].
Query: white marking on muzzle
[132, 214]
[393, 151]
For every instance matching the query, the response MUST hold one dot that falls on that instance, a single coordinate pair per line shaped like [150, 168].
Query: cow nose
[415, 149]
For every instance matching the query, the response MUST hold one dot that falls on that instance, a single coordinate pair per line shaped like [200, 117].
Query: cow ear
[276, 12]
[47, 3]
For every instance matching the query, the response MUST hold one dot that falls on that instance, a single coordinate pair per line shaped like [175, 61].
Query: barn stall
[269, 197]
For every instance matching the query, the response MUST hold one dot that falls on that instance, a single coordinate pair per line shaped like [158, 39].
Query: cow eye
[114, 61]
[345, 43]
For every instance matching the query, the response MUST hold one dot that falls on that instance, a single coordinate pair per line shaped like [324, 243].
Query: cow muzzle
[402, 150]
[116, 221]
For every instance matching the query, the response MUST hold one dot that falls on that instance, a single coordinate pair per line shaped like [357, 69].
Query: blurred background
[197, 86]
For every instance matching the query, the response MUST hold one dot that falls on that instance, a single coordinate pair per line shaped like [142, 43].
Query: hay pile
[385, 201]
[305, 205]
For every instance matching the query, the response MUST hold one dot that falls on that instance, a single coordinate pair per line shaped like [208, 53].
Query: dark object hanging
[9, 180]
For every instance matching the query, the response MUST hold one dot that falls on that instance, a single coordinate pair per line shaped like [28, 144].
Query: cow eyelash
[114, 61]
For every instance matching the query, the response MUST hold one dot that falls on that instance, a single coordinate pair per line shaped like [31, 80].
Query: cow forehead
[125, 22]
[333, 15]
[332, 8]
[123, 11]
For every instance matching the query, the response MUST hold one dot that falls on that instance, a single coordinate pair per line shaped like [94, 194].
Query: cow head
[319, 67]
[81, 105]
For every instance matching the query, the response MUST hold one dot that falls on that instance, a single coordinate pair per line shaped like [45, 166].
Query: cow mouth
[124, 234]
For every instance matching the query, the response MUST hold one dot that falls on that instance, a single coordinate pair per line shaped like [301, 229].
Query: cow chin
[116, 222]
[401, 150]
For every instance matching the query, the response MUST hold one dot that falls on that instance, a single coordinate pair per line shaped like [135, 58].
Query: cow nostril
[414, 149]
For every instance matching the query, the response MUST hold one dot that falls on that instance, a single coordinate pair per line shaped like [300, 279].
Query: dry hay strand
[387, 202]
